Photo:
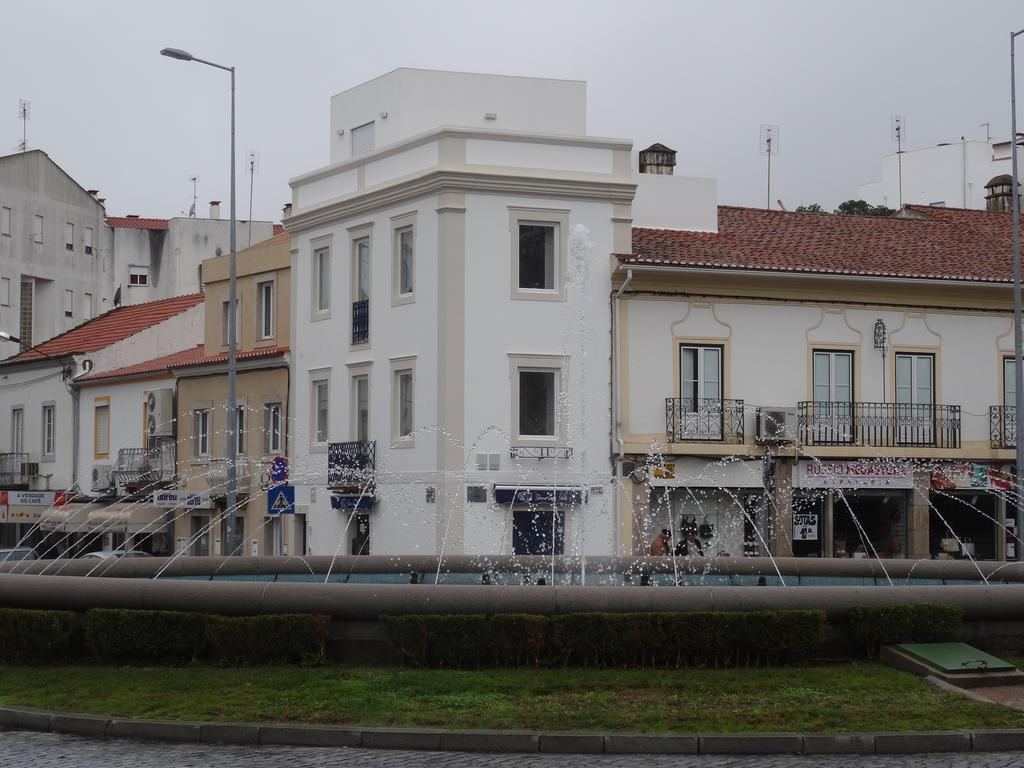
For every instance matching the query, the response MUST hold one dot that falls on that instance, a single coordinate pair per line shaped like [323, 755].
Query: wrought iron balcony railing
[703, 420]
[1002, 426]
[361, 321]
[351, 463]
[145, 465]
[11, 469]
[879, 425]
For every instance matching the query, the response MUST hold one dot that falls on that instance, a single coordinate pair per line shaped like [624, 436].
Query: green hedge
[38, 637]
[161, 637]
[275, 639]
[606, 639]
[874, 627]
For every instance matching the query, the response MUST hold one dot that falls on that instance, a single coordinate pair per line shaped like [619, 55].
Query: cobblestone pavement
[25, 749]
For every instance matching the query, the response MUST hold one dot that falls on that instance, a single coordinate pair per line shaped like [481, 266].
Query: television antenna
[253, 160]
[898, 124]
[770, 138]
[195, 196]
[24, 114]
[988, 131]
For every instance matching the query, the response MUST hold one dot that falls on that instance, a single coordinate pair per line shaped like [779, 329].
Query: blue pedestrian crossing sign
[281, 500]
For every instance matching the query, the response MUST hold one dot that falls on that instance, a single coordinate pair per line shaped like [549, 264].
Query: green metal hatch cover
[955, 657]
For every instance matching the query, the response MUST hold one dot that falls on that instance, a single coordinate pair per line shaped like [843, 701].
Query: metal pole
[232, 491]
[1018, 369]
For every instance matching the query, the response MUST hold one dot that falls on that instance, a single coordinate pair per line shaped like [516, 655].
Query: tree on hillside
[862, 208]
[812, 208]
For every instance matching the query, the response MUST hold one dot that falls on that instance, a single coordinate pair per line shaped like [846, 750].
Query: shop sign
[665, 472]
[955, 475]
[856, 474]
[31, 498]
[805, 526]
[181, 499]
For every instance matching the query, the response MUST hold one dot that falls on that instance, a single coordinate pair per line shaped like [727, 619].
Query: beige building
[263, 290]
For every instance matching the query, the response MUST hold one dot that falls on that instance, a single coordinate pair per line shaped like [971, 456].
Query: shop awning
[350, 501]
[126, 518]
[71, 518]
[517, 494]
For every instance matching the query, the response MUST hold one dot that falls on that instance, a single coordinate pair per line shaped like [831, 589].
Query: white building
[953, 175]
[54, 250]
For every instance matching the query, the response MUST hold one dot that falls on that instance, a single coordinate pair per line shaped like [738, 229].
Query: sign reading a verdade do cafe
[856, 474]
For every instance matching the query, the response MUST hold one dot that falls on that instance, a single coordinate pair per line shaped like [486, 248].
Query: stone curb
[298, 735]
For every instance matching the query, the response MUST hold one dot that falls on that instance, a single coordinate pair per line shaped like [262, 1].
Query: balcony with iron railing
[145, 466]
[351, 464]
[703, 420]
[1002, 426]
[361, 321]
[12, 469]
[880, 425]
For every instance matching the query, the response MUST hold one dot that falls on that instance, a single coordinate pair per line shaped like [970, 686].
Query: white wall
[675, 202]
[30, 387]
[175, 334]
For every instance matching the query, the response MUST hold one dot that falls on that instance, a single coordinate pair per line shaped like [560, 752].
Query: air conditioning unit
[30, 469]
[102, 479]
[160, 413]
[776, 425]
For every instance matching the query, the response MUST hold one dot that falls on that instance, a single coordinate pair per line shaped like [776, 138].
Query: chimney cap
[132, 216]
[215, 202]
[92, 192]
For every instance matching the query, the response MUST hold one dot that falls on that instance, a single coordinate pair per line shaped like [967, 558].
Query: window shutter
[362, 139]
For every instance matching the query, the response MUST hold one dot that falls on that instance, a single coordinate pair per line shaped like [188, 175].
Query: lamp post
[1018, 369]
[232, 490]
[66, 369]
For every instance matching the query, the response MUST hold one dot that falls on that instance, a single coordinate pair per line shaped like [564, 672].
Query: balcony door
[915, 399]
[700, 392]
[832, 417]
[1009, 412]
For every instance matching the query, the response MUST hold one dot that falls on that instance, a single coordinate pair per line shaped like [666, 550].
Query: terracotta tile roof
[278, 229]
[135, 222]
[187, 358]
[930, 243]
[111, 327]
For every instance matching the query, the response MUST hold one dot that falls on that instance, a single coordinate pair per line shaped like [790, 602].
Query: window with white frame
[69, 236]
[403, 269]
[101, 429]
[87, 239]
[265, 308]
[239, 431]
[5, 221]
[225, 330]
[69, 302]
[18, 430]
[37, 229]
[5, 291]
[322, 279]
[537, 386]
[138, 275]
[201, 432]
[363, 139]
[361, 407]
[538, 253]
[49, 442]
[321, 410]
[403, 376]
[273, 428]
[361, 290]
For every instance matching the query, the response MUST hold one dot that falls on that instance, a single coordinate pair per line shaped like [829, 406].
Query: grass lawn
[858, 697]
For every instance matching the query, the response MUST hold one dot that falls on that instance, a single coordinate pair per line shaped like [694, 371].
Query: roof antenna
[988, 131]
[769, 146]
[192, 208]
[899, 132]
[254, 166]
[24, 113]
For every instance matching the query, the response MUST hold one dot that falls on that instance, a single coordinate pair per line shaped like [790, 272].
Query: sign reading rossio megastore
[856, 474]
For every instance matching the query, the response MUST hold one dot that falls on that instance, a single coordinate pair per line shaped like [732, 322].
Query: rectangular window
[361, 407]
[201, 431]
[101, 425]
[404, 243]
[37, 229]
[402, 409]
[700, 377]
[25, 312]
[240, 431]
[1009, 383]
[321, 411]
[5, 221]
[200, 536]
[225, 330]
[361, 291]
[49, 429]
[87, 239]
[69, 236]
[832, 410]
[69, 303]
[87, 309]
[5, 291]
[273, 428]
[537, 400]
[363, 139]
[138, 276]
[537, 256]
[265, 292]
[915, 398]
[18, 430]
[362, 281]
[322, 278]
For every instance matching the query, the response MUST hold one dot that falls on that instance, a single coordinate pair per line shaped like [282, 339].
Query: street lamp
[232, 490]
[1018, 369]
[66, 369]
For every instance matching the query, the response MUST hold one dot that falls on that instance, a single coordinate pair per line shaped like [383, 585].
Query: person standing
[660, 544]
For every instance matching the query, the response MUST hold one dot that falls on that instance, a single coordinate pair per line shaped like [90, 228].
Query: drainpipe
[75, 431]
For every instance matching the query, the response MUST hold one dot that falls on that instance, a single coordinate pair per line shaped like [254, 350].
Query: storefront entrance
[971, 516]
[538, 532]
[869, 523]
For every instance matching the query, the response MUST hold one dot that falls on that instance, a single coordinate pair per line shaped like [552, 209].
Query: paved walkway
[27, 749]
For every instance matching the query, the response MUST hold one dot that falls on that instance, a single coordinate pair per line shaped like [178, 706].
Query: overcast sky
[701, 77]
